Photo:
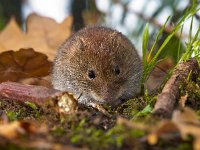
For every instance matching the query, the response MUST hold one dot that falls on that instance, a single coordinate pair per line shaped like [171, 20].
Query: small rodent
[98, 65]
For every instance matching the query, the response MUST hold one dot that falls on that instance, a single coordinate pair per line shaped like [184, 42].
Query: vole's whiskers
[80, 95]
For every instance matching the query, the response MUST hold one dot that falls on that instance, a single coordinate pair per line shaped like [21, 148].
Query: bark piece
[22, 92]
[38, 95]
[167, 99]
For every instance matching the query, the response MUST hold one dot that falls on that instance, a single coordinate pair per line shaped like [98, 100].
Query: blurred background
[127, 16]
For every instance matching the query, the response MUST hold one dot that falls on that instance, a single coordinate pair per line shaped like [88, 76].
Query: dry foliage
[25, 63]
[185, 122]
[43, 35]
[26, 56]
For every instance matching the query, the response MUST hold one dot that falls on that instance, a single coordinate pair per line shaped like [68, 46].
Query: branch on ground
[166, 101]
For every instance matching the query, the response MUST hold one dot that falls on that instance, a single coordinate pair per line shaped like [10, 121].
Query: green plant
[192, 45]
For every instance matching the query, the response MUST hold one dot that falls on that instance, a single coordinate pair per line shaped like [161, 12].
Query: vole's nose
[113, 102]
[106, 94]
[110, 98]
[109, 95]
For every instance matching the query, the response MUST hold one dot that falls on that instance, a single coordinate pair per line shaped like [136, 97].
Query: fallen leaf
[43, 81]
[185, 122]
[14, 129]
[184, 116]
[10, 36]
[158, 74]
[52, 32]
[163, 128]
[45, 36]
[24, 63]
[189, 125]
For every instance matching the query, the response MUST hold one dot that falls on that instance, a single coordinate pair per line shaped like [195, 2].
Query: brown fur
[99, 49]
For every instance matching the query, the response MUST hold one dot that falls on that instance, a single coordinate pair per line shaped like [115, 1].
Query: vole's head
[101, 64]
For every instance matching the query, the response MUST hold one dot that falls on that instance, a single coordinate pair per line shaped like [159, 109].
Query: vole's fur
[115, 65]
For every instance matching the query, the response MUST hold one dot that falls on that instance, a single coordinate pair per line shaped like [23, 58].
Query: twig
[167, 99]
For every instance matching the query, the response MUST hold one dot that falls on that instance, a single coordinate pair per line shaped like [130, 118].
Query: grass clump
[192, 46]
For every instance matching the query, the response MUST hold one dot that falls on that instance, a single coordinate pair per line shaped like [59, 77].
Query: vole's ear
[119, 39]
[114, 35]
[116, 38]
[79, 44]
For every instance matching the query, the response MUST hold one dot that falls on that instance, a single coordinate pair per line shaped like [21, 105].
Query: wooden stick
[167, 99]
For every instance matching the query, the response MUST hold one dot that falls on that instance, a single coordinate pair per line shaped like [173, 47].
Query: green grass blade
[180, 23]
[189, 51]
[190, 32]
[145, 42]
[148, 67]
[157, 37]
[179, 44]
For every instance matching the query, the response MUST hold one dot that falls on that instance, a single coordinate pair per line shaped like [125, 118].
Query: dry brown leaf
[43, 81]
[38, 25]
[2, 47]
[10, 36]
[158, 74]
[53, 32]
[21, 64]
[184, 122]
[60, 33]
[44, 35]
[187, 115]
[188, 123]
[164, 128]
[14, 129]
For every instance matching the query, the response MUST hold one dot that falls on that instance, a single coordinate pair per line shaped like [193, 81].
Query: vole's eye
[91, 74]
[117, 70]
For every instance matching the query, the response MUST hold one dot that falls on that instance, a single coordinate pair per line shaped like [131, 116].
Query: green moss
[31, 105]
[58, 131]
[92, 137]
[192, 90]
[12, 116]
[99, 139]
[184, 146]
[143, 113]
[138, 107]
